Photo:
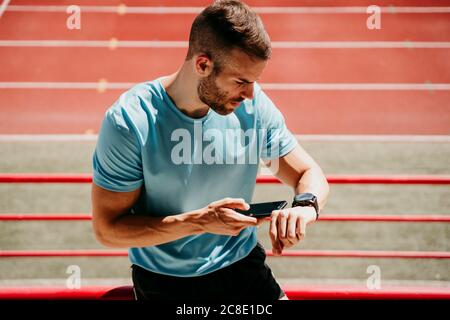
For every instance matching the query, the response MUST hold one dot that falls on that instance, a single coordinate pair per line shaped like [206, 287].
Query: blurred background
[366, 90]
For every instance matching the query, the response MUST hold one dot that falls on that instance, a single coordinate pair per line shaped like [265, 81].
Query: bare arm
[114, 227]
[298, 170]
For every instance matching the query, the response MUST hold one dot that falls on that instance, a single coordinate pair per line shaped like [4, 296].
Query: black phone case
[263, 209]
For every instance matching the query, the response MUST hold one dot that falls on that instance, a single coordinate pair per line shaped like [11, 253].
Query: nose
[248, 93]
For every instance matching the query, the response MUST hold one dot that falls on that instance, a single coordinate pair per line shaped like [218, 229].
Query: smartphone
[264, 209]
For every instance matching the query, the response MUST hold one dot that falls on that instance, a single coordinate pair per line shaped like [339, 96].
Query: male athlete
[176, 155]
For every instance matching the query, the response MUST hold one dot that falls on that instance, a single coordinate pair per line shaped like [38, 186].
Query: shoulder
[266, 110]
[135, 110]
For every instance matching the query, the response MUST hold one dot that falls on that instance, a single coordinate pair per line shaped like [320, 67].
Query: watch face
[308, 197]
[306, 200]
[306, 203]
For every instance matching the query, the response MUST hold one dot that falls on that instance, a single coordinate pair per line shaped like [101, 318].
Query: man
[169, 169]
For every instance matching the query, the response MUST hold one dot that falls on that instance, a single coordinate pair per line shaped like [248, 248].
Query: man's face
[225, 91]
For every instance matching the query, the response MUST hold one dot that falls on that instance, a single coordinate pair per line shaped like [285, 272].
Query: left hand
[288, 227]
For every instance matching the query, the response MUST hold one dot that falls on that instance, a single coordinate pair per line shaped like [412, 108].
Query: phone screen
[263, 209]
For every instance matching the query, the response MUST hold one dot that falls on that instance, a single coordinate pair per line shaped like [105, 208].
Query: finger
[291, 229]
[301, 229]
[281, 246]
[240, 206]
[302, 223]
[282, 224]
[232, 203]
[281, 229]
[298, 229]
[240, 218]
[273, 232]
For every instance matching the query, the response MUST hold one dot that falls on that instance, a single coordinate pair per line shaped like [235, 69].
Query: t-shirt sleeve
[117, 162]
[275, 138]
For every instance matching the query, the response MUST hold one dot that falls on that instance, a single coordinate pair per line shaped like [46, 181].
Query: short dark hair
[227, 25]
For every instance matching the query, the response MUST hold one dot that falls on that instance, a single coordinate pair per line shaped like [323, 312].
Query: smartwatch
[306, 200]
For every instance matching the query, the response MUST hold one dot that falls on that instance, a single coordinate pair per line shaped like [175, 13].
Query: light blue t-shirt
[184, 164]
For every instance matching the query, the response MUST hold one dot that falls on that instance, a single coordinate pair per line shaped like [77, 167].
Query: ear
[203, 65]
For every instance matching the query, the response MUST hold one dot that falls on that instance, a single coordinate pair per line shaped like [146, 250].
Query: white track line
[312, 138]
[373, 138]
[47, 137]
[93, 43]
[184, 44]
[262, 10]
[356, 86]
[265, 86]
[359, 44]
[4, 7]
[64, 85]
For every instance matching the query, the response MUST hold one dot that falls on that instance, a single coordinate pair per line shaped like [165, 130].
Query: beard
[211, 95]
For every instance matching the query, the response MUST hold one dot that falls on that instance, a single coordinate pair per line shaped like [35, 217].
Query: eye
[240, 82]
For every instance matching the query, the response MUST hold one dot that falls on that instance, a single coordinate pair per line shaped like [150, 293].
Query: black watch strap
[306, 200]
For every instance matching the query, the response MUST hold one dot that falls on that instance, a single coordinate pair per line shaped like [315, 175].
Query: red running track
[281, 27]
[313, 65]
[202, 3]
[291, 65]
[334, 112]
[33, 111]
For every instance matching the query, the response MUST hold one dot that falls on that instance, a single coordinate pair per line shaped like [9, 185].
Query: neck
[182, 89]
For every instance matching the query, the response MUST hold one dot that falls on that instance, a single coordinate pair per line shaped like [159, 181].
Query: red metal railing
[337, 179]
[303, 292]
[323, 217]
[299, 292]
[286, 253]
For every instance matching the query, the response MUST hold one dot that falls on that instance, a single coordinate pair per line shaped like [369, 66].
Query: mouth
[236, 102]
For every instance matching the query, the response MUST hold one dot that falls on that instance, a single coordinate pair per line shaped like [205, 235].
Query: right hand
[220, 218]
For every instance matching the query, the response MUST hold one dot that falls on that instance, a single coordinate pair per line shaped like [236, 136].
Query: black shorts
[247, 279]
